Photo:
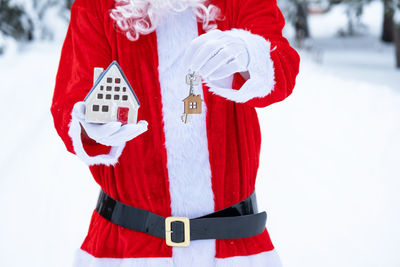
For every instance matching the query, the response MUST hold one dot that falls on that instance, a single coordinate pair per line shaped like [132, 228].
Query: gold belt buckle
[168, 232]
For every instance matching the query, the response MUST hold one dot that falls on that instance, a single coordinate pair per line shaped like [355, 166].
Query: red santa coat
[174, 169]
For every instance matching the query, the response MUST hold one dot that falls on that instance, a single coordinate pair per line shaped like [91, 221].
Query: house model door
[122, 115]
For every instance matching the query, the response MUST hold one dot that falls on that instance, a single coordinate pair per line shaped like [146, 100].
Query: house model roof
[104, 73]
[192, 96]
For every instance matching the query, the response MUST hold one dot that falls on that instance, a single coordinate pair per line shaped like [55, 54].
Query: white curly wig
[139, 17]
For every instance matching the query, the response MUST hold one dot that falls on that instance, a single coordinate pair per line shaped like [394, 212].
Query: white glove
[216, 55]
[110, 134]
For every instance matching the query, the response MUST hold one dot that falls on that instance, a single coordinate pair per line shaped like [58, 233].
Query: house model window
[116, 104]
[193, 105]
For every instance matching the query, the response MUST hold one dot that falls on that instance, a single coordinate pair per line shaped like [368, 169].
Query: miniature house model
[111, 98]
[192, 104]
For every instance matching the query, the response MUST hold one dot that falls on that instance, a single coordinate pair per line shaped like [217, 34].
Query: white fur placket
[187, 148]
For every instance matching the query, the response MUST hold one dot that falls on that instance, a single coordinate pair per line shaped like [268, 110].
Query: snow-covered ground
[329, 172]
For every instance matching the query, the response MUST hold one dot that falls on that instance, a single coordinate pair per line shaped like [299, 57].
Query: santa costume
[161, 164]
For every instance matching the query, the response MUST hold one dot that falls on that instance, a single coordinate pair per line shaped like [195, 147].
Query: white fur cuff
[261, 70]
[263, 259]
[106, 159]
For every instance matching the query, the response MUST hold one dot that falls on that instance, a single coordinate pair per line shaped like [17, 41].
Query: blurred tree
[397, 31]
[30, 20]
[14, 21]
[37, 11]
[388, 13]
[296, 12]
[69, 3]
[301, 21]
[354, 10]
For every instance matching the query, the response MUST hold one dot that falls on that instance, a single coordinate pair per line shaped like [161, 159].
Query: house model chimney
[97, 73]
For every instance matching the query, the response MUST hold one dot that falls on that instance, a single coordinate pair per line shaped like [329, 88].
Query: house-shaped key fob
[111, 98]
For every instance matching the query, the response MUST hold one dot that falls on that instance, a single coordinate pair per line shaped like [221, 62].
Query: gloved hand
[216, 55]
[111, 133]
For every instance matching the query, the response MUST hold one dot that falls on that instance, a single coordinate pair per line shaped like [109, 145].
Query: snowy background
[329, 176]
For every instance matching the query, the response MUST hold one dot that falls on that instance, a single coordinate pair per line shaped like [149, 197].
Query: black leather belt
[237, 221]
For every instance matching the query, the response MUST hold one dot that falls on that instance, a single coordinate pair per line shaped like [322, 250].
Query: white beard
[139, 17]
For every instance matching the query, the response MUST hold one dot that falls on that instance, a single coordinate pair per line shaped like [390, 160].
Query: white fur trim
[188, 163]
[264, 259]
[261, 70]
[84, 259]
[106, 159]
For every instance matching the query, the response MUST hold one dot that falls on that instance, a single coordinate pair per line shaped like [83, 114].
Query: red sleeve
[85, 47]
[263, 17]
